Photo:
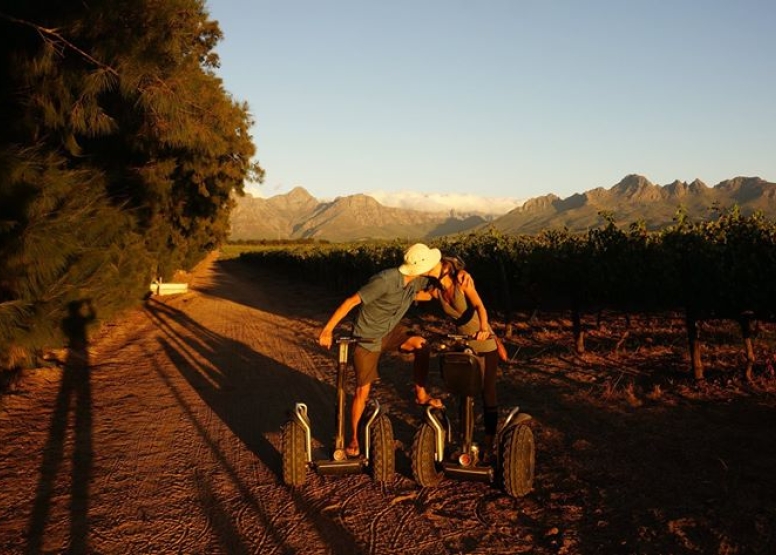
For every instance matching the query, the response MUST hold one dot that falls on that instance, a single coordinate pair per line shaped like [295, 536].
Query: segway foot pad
[479, 473]
[349, 466]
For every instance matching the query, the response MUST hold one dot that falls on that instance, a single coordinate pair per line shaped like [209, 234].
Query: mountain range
[298, 215]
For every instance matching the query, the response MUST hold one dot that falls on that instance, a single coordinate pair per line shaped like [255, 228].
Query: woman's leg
[489, 396]
[490, 402]
[421, 361]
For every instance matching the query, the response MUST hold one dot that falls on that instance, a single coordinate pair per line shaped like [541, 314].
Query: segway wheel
[424, 467]
[294, 460]
[517, 467]
[382, 449]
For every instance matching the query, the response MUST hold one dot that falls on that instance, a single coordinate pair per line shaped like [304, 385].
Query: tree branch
[54, 36]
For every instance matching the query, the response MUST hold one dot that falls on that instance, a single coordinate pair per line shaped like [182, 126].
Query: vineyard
[719, 270]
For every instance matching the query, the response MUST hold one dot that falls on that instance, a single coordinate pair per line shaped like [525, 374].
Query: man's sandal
[352, 452]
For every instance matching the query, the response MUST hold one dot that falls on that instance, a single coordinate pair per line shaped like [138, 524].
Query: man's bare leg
[360, 397]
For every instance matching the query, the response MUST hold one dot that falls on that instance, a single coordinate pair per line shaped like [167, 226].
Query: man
[382, 303]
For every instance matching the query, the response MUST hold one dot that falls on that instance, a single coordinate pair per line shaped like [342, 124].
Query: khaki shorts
[365, 361]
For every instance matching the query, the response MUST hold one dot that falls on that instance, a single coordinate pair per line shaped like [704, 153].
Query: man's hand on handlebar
[326, 338]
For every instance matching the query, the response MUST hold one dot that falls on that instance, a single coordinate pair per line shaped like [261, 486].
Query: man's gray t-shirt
[384, 302]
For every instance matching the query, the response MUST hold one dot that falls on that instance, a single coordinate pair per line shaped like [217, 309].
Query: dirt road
[163, 437]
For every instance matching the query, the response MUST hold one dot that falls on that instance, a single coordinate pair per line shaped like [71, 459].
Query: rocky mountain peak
[677, 189]
[357, 201]
[295, 201]
[537, 203]
[636, 187]
[741, 183]
[299, 194]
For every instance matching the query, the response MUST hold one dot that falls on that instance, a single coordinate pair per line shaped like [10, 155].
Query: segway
[374, 430]
[436, 455]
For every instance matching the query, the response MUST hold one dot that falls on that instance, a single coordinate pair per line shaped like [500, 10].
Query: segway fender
[522, 418]
[300, 415]
[367, 419]
[441, 427]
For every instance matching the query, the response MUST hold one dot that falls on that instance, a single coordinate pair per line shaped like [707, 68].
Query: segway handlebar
[354, 339]
[441, 342]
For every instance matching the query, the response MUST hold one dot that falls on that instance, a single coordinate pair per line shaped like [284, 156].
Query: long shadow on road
[75, 395]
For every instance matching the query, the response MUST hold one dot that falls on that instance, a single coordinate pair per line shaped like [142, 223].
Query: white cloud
[259, 190]
[439, 202]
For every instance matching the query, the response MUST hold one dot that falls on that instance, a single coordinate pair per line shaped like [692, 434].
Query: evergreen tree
[120, 152]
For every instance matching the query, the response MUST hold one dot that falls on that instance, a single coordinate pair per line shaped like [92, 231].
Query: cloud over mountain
[444, 202]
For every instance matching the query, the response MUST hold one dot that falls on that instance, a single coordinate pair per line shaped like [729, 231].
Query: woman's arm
[327, 334]
[474, 298]
[485, 330]
[465, 279]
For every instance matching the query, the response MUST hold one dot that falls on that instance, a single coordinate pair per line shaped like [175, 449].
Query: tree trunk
[624, 336]
[621, 342]
[579, 333]
[533, 319]
[746, 321]
[693, 337]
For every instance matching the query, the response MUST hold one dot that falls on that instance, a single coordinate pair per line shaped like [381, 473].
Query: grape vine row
[721, 268]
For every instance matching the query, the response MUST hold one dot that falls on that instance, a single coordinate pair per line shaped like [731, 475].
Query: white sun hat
[419, 259]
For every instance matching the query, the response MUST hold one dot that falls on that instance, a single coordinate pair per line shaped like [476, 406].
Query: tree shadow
[74, 397]
[241, 386]
[251, 394]
[295, 302]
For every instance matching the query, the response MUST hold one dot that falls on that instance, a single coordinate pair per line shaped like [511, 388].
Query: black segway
[375, 438]
[435, 453]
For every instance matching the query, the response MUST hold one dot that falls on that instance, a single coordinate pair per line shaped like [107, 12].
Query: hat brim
[435, 255]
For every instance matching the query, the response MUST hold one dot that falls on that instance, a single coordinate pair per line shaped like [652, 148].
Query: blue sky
[505, 100]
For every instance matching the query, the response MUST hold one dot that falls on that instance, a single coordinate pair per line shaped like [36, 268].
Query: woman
[463, 304]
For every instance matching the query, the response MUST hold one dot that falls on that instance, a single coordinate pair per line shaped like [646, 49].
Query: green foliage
[120, 155]
[718, 268]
